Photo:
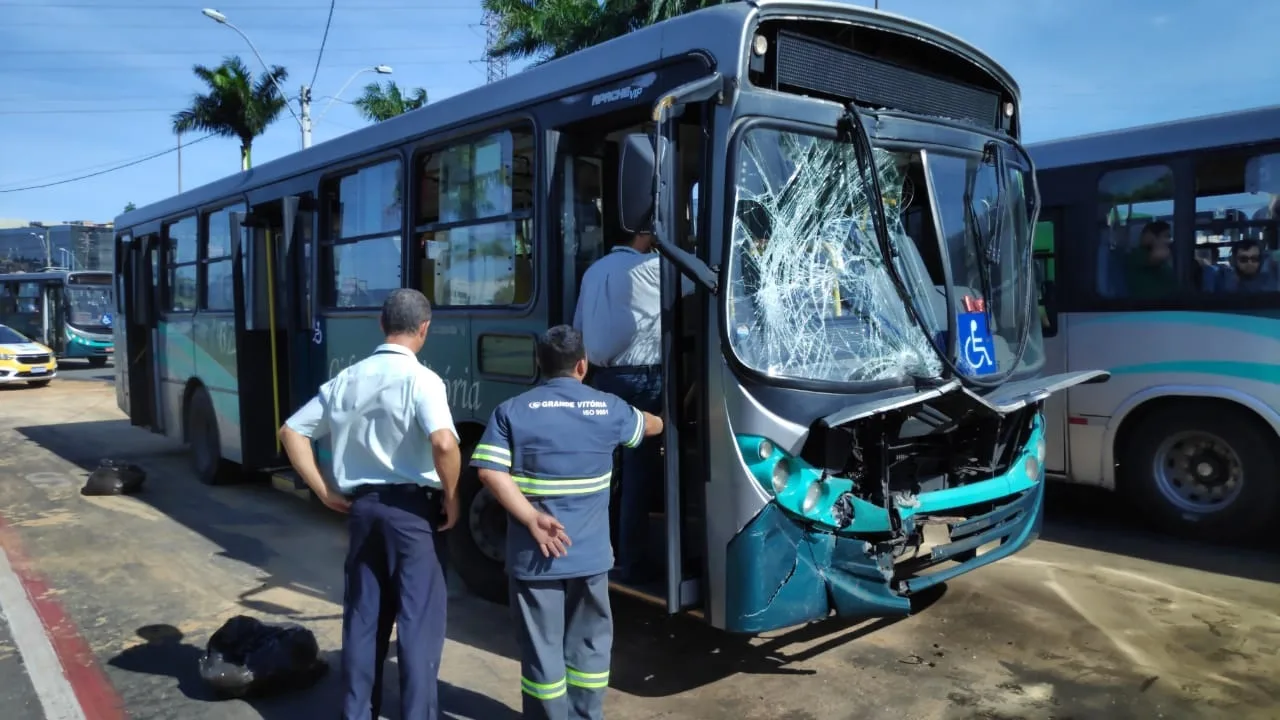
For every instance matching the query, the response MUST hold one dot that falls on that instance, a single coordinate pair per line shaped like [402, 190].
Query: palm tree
[379, 103]
[130, 207]
[237, 105]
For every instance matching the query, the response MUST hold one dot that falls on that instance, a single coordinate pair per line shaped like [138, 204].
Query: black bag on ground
[247, 657]
[114, 478]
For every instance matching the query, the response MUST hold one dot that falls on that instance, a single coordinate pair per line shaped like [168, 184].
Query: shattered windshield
[810, 297]
[986, 240]
[88, 304]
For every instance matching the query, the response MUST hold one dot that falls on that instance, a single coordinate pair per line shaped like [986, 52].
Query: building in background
[32, 245]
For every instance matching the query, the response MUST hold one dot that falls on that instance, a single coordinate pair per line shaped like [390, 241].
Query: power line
[139, 161]
[323, 40]
[38, 69]
[223, 51]
[84, 111]
[363, 6]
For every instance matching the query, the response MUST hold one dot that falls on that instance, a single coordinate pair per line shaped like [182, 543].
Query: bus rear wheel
[205, 442]
[1203, 471]
[477, 544]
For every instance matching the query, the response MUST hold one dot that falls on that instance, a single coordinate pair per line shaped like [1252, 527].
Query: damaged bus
[853, 389]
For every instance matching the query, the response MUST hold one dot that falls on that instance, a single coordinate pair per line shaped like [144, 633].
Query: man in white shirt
[396, 465]
[619, 315]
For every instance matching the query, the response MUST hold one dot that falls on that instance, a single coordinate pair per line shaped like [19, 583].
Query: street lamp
[44, 240]
[305, 99]
[380, 69]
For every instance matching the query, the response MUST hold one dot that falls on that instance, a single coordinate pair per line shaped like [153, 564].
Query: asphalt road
[1095, 620]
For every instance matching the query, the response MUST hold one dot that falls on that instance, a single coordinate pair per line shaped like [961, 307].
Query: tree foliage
[379, 103]
[130, 207]
[235, 105]
[542, 30]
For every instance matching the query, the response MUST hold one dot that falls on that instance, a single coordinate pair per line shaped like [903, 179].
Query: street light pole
[221, 19]
[379, 69]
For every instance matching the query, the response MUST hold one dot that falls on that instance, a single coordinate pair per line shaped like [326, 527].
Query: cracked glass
[810, 296]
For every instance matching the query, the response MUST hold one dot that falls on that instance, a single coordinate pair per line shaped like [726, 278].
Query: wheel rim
[487, 522]
[1198, 472]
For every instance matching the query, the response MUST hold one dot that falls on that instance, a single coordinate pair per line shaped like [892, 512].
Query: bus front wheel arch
[477, 543]
[200, 427]
[1200, 468]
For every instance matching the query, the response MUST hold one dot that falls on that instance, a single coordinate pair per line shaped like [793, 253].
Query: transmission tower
[496, 68]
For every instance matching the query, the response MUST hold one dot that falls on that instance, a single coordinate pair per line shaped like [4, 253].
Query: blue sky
[89, 84]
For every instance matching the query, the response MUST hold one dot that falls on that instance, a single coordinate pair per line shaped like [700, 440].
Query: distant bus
[853, 387]
[1187, 427]
[70, 311]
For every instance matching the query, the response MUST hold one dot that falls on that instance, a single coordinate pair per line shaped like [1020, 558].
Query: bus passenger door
[55, 317]
[139, 267]
[1055, 344]
[269, 342]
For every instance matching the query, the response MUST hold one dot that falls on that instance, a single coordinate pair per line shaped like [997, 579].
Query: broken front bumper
[782, 572]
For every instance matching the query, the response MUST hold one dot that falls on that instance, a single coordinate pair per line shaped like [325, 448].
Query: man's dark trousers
[393, 572]
[641, 386]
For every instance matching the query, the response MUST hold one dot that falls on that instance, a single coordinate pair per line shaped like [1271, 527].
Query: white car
[22, 360]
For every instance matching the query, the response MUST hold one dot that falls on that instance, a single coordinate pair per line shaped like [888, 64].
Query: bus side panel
[214, 356]
[177, 367]
[1136, 348]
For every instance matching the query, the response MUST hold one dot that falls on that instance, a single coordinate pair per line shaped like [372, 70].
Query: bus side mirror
[637, 169]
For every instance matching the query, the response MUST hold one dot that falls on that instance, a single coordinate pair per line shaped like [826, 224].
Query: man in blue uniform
[547, 456]
[396, 464]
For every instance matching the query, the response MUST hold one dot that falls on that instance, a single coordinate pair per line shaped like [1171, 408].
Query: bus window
[1043, 252]
[218, 292]
[473, 221]
[1135, 233]
[360, 257]
[1236, 244]
[182, 263]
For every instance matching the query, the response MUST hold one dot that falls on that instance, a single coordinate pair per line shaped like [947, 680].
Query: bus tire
[477, 543]
[1231, 451]
[204, 440]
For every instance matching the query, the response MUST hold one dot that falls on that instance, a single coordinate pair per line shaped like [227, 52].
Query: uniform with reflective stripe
[556, 442]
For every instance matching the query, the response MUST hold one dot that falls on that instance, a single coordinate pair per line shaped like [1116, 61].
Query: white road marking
[41, 662]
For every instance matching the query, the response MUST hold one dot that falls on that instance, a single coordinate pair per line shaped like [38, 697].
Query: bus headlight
[781, 475]
[811, 497]
[1040, 448]
[1032, 467]
[765, 450]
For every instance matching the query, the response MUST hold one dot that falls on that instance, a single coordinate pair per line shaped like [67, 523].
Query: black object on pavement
[247, 657]
[114, 478]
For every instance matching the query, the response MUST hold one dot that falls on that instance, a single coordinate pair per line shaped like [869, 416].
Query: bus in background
[853, 388]
[1159, 256]
[70, 311]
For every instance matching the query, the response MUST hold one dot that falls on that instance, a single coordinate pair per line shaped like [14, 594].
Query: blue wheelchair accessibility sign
[106, 319]
[977, 356]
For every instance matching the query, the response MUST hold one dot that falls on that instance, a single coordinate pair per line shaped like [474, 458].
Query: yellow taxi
[23, 361]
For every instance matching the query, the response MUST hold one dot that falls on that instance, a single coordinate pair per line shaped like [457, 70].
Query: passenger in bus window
[1149, 267]
[1251, 270]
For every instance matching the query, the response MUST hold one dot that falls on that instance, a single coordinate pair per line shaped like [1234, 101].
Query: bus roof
[717, 29]
[1242, 127]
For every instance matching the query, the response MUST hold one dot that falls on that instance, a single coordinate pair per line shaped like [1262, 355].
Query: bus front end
[881, 381]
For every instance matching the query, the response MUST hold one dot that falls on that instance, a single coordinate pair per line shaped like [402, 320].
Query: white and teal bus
[1188, 428]
[854, 388]
[70, 311]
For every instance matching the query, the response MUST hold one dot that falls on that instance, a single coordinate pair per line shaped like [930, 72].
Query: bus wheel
[206, 445]
[477, 543]
[1202, 471]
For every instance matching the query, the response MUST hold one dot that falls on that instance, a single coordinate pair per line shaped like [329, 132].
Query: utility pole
[179, 163]
[304, 99]
[496, 68]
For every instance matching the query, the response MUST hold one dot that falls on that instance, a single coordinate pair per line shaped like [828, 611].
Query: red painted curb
[98, 698]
